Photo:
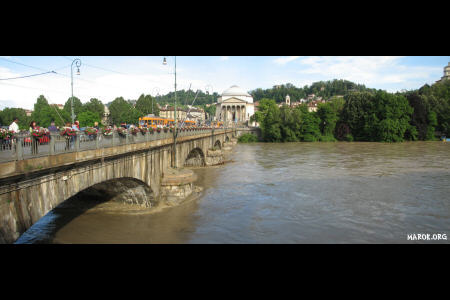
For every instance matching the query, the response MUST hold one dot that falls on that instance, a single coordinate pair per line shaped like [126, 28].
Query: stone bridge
[30, 186]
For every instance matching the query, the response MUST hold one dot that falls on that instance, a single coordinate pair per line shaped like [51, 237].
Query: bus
[189, 123]
[153, 121]
[147, 122]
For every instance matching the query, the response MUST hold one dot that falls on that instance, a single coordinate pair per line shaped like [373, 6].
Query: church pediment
[234, 100]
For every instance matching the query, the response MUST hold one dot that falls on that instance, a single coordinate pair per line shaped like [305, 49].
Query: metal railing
[24, 145]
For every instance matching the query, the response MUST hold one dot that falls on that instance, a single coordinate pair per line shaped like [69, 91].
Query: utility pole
[77, 62]
[174, 162]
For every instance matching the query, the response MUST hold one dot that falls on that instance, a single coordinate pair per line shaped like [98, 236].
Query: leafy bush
[327, 138]
[248, 138]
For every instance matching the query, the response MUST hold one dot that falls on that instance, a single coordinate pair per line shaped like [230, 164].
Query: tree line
[369, 115]
[86, 113]
[324, 89]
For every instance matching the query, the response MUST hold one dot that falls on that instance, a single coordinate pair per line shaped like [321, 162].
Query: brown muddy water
[282, 193]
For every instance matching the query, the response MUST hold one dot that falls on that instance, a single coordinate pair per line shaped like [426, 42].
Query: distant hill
[324, 89]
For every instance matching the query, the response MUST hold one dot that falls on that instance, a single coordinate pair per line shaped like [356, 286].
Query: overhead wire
[28, 75]
[64, 75]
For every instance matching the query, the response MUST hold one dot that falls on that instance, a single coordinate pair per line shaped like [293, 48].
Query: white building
[235, 105]
[446, 73]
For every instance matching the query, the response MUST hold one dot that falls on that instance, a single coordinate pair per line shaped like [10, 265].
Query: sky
[108, 77]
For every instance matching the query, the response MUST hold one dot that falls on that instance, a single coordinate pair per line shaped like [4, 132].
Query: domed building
[446, 73]
[235, 105]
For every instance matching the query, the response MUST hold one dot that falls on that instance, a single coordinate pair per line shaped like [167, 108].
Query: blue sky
[108, 77]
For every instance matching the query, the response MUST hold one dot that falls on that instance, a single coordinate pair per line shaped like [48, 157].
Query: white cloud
[285, 60]
[369, 70]
[224, 57]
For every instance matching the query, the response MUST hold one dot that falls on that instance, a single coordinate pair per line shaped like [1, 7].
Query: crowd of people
[14, 127]
[33, 127]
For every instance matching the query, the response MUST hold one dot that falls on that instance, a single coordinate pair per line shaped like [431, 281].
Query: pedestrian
[76, 135]
[68, 138]
[34, 140]
[52, 127]
[14, 127]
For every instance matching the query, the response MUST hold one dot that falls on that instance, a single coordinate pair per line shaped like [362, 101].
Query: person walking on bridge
[34, 140]
[14, 127]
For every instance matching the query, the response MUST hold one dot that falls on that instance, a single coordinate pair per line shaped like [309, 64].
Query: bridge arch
[128, 190]
[218, 145]
[227, 139]
[125, 190]
[195, 158]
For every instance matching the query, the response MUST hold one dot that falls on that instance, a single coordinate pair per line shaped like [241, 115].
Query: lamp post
[77, 62]
[174, 163]
[209, 90]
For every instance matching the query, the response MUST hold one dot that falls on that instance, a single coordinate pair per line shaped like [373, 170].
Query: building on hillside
[28, 112]
[311, 97]
[235, 105]
[196, 114]
[446, 73]
[168, 112]
[313, 105]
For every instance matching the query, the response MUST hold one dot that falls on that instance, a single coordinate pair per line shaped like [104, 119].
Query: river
[282, 193]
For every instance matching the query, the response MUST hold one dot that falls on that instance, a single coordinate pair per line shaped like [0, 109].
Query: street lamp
[209, 90]
[77, 62]
[175, 115]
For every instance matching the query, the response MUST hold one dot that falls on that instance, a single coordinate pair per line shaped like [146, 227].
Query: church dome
[235, 91]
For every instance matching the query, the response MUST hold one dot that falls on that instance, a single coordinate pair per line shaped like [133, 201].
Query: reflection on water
[283, 193]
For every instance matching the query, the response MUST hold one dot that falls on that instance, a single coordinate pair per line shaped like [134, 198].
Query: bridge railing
[24, 146]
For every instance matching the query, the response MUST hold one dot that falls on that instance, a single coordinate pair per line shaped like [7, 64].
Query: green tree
[122, 111]
[310, 130]
[394, 113]
[147, 105]
[419, 118]
[88, 118]
[44, 113]
[271, 122]
[7, 115]
[432, 123]
[328, 119]
[77, 107]
[360, 114]
[94, 105]
[52, 113]
[287, 127]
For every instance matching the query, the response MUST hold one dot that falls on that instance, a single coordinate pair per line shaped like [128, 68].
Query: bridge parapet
[22, 154]
[24, 145]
